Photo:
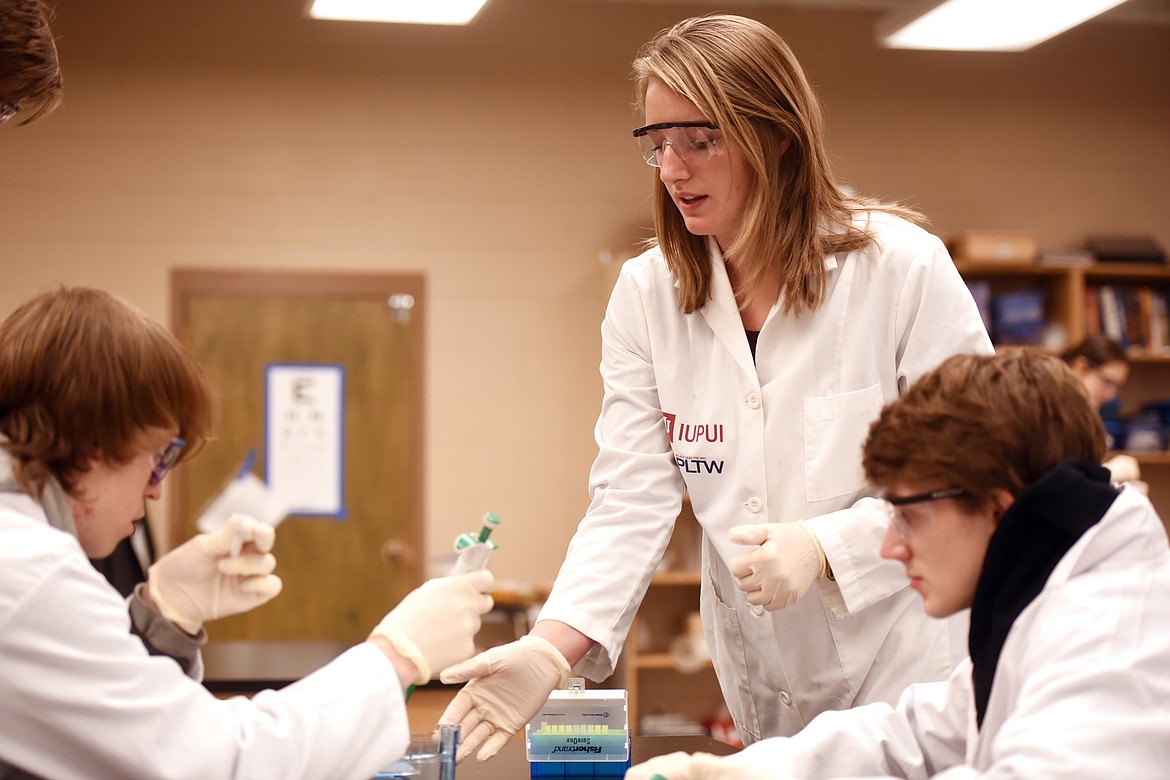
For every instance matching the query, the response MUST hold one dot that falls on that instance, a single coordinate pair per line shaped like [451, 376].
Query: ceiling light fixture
[401, 11]
[985, 25]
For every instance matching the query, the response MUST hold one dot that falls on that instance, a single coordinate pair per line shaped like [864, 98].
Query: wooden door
[341, 573]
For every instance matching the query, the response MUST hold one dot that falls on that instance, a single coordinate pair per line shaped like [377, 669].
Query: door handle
[397, 552]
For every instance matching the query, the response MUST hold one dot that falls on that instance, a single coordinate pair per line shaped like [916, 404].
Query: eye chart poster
[304, 432]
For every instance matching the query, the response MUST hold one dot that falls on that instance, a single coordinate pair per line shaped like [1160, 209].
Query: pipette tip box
[580, 733]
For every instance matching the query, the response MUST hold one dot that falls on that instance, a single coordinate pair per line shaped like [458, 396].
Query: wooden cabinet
[1068, 303]
[1067, 289]
[647, 668]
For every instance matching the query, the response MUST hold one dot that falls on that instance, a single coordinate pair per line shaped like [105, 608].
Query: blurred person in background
[1103, 366]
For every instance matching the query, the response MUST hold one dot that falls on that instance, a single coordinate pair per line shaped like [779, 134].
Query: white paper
[246, 495]
[304, 437]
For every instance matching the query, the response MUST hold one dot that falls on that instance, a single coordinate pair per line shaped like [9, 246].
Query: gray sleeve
[162, 637]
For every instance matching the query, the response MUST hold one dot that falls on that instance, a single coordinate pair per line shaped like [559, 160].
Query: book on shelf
[1017, 316]
[1134, 316]
[981, 292]
[1066, 257]
[1092, 312]
[1126, 249]
[1159, 323]
[1112, 321]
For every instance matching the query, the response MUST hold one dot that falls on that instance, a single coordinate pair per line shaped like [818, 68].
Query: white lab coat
[777, 440]
[1081, 690]
[81, 698]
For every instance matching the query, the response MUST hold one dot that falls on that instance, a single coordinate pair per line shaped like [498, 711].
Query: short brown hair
[980, 422]
[30, 75]
[83, 376]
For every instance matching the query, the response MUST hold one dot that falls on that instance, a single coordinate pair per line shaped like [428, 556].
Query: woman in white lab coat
[743, 358]
[996, 504]
[97, 403]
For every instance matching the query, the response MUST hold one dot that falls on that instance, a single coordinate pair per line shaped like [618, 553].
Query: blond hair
[743, 76]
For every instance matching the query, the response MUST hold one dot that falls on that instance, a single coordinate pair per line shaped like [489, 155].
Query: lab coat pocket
[835, 428]
[730, 661]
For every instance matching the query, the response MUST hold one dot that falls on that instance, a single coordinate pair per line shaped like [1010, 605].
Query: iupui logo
[668, 418]
[692, 432]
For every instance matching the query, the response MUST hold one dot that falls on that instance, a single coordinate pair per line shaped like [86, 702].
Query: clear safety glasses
[693, 142]
[8, 109]
[167, 461]
[905, 513]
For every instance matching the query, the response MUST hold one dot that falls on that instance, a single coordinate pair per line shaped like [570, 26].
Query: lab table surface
[234, 667]
[511, 764]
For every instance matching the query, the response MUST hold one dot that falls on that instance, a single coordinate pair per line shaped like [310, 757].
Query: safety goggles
[905, 513]
[167, 461]
[693, 142]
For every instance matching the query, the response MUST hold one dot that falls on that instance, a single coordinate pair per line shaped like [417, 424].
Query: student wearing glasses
[1102, 365]
[30, 76]
[997, 504]
[97, 404]
[744, 356]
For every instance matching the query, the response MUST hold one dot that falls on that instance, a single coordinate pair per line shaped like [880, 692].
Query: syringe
[474, 549]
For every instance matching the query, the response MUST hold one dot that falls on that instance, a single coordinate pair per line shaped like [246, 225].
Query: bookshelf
[1067, 295]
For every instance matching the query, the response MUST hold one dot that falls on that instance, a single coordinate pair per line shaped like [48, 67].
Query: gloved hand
[509, 684]
[1123, 468]
[696, 766]
[782, 568]
[199, 580]
[435, 625]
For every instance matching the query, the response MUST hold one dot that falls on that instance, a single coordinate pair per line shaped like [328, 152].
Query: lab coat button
[758, 609]
[753, 400]
[785, 699]
[754, 505]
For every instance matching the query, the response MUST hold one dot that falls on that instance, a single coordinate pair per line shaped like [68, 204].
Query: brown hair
[743, 76]
[1097, 350]
[980, 422]
[83, 376]
[30, 75]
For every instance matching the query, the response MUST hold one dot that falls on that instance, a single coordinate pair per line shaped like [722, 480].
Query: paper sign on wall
[304, 437]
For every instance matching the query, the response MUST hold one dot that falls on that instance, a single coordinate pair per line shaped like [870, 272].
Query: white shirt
[80, 696]
[774, 440]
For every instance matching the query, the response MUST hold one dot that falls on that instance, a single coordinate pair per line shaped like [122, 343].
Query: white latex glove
[200, 580]
[781, 569]
[696, 766]
[1123, 468]
[509, 684]
[435, 625]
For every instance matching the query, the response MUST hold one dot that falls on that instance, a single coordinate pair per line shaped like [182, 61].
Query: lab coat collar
[722, 312]
[53, 500]
[1033, 535]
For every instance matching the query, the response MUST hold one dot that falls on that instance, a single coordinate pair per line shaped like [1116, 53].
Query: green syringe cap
[463, 541]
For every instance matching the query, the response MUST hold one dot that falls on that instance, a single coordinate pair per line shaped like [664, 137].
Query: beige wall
[496, 159]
